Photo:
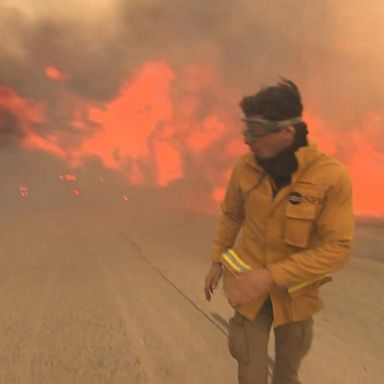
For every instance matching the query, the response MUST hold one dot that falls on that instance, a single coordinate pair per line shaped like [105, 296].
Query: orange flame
[128, 121]
[24, 111]
[54, 74]
[166, 125]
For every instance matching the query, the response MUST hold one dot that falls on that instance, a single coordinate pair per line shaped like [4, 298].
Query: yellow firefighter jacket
[303, 232]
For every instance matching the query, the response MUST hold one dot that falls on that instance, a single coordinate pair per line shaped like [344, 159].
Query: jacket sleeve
[334, 228]
[231, 219]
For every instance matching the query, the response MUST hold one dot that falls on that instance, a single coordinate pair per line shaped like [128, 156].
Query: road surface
[113, 294]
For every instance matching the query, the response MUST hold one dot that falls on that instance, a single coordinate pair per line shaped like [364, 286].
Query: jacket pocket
[237, 339]
[299, 222]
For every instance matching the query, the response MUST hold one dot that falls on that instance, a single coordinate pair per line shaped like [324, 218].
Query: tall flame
[167, 125]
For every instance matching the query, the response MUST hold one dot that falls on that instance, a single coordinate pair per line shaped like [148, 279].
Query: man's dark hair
[277, 102]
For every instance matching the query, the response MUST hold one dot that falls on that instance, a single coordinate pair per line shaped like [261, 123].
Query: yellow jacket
[302, 233]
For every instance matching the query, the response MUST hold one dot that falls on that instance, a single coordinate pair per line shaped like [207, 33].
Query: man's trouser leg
[248, 344]
[292, 342]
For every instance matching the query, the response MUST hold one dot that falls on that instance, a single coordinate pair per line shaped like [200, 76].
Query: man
[292, 208]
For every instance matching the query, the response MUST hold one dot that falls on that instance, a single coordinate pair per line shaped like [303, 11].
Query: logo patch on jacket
[296, 198]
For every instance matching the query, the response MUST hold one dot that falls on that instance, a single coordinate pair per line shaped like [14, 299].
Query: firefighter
[287, 215]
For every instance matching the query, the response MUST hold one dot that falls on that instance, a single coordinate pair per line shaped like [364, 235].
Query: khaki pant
[248, 344]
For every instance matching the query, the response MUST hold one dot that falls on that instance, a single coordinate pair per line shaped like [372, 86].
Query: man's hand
[249, 285]
[212, 279]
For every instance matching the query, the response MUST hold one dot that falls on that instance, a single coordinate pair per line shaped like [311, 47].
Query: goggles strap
[274, 123]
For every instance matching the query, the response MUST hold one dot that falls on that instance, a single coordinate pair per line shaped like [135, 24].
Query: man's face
[265, 144]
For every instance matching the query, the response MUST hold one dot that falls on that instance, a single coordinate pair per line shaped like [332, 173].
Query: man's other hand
[249, 285]
[212, 279]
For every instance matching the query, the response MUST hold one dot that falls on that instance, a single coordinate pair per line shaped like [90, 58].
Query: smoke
[331, 50]
[99, 71]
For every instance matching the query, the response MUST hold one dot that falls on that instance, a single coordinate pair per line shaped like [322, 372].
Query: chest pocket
[300, 215]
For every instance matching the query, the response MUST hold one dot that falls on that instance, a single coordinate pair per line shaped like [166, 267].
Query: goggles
[257, 127]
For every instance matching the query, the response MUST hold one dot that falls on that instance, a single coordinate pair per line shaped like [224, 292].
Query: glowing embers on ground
[23, 189]
[68, 177]
[71, 178]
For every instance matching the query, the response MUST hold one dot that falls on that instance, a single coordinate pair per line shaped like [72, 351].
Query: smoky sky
[332, 50]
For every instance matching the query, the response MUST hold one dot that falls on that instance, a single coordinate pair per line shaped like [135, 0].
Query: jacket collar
[304, 155]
